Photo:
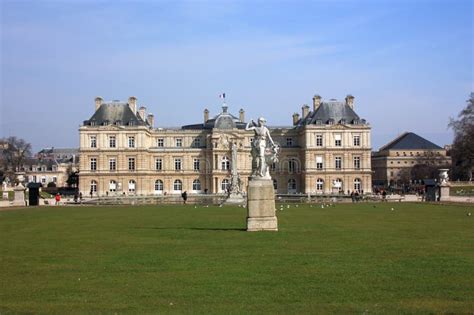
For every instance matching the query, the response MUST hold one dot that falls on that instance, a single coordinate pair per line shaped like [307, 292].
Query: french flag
[222, 95]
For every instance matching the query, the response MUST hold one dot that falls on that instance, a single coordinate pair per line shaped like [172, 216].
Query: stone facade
[121, 152]
[399, 156]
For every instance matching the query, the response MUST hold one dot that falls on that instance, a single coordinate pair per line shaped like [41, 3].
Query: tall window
[356, 140]
[275, 184]
[291, 185]
[158, 164]
[196, 164]
[357, 162]
[196, 185]
[179, 142]
[112, 141]
[338, 162]
[338, 140]
[93, 164]
[112, 164]
[177, 164]
[225, 163]
[225, 185]
[131, 164]
[319, 140]
[160, 142]
[357, 184]
[319, 162]
[131, 186]
[319, 184]
[292, 165]
[338, 184]
[158, 186]
[177, 185]
[131, 142]
[93, 141]
[112, 186]
[93, 186]
[289, 142]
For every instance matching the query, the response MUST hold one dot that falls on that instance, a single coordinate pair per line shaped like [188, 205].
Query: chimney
[151, 119]
[206, 115]
[304, 111]
[241, 115]
[316, 102]
[132, 102]
[98, 102]
[141, 112]
[350, 101]
[296, 117]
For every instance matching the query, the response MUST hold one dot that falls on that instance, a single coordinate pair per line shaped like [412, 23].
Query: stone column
[261, 206]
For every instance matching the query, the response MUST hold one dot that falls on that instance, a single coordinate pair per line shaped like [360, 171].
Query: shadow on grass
[192, 228]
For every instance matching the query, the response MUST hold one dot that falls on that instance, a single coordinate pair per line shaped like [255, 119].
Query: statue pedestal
[235, 199]
[19, 195]
[444, 192]
[261, 205]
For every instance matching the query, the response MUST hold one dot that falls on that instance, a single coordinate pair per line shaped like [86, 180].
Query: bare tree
[14, 153]
[462, 151]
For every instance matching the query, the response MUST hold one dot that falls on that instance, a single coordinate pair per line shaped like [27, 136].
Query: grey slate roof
[224, 120]
[338, 112]
[410, 141]
[115, 113]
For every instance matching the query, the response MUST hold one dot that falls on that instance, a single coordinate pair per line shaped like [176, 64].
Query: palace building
[327, 150]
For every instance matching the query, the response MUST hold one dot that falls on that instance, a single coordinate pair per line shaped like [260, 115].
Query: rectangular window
[179, 142]
[55, 179]
[319, 140]
[197, 142]
[158, 164]
[131, 164]
[319, 162]
[160, 142]
[338, 140]
[197, 164]
[112, 164]
[357, 162]
[131, 142]
[112, 142]
[93, 164]
[356, 140]
[177, 164]
[93, 141]
[289, 142]
[338, 162]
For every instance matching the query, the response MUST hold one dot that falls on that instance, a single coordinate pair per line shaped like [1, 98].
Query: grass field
[361, 258]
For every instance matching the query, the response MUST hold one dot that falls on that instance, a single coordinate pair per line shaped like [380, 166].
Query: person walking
[184, 195]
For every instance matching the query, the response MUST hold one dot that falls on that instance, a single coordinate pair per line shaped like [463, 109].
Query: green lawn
[344, 259]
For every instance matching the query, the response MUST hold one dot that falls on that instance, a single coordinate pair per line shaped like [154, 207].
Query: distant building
[399, 156]
[326, 150]
[50, 165]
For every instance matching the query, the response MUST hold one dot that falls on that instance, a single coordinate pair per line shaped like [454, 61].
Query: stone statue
[235, 195]
[262, 154]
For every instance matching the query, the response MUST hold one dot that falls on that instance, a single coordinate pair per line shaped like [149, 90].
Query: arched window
[275, 184]
[319, 184]
[112, 186]
[131, 185]
[225, 163]
[196, 185]
[225, 185]
[93, 186]
[177, 185]
[291, 186]
[357, 184]
[158, 186]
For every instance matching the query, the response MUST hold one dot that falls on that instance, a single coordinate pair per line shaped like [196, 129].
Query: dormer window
[319, 122]
[118, 123]
[105, 123]
[131, 123]
[331, 122]
[356, 122]
[342, 121]
[92, 123]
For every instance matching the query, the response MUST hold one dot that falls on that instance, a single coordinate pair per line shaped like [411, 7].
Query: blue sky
[409, 64]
